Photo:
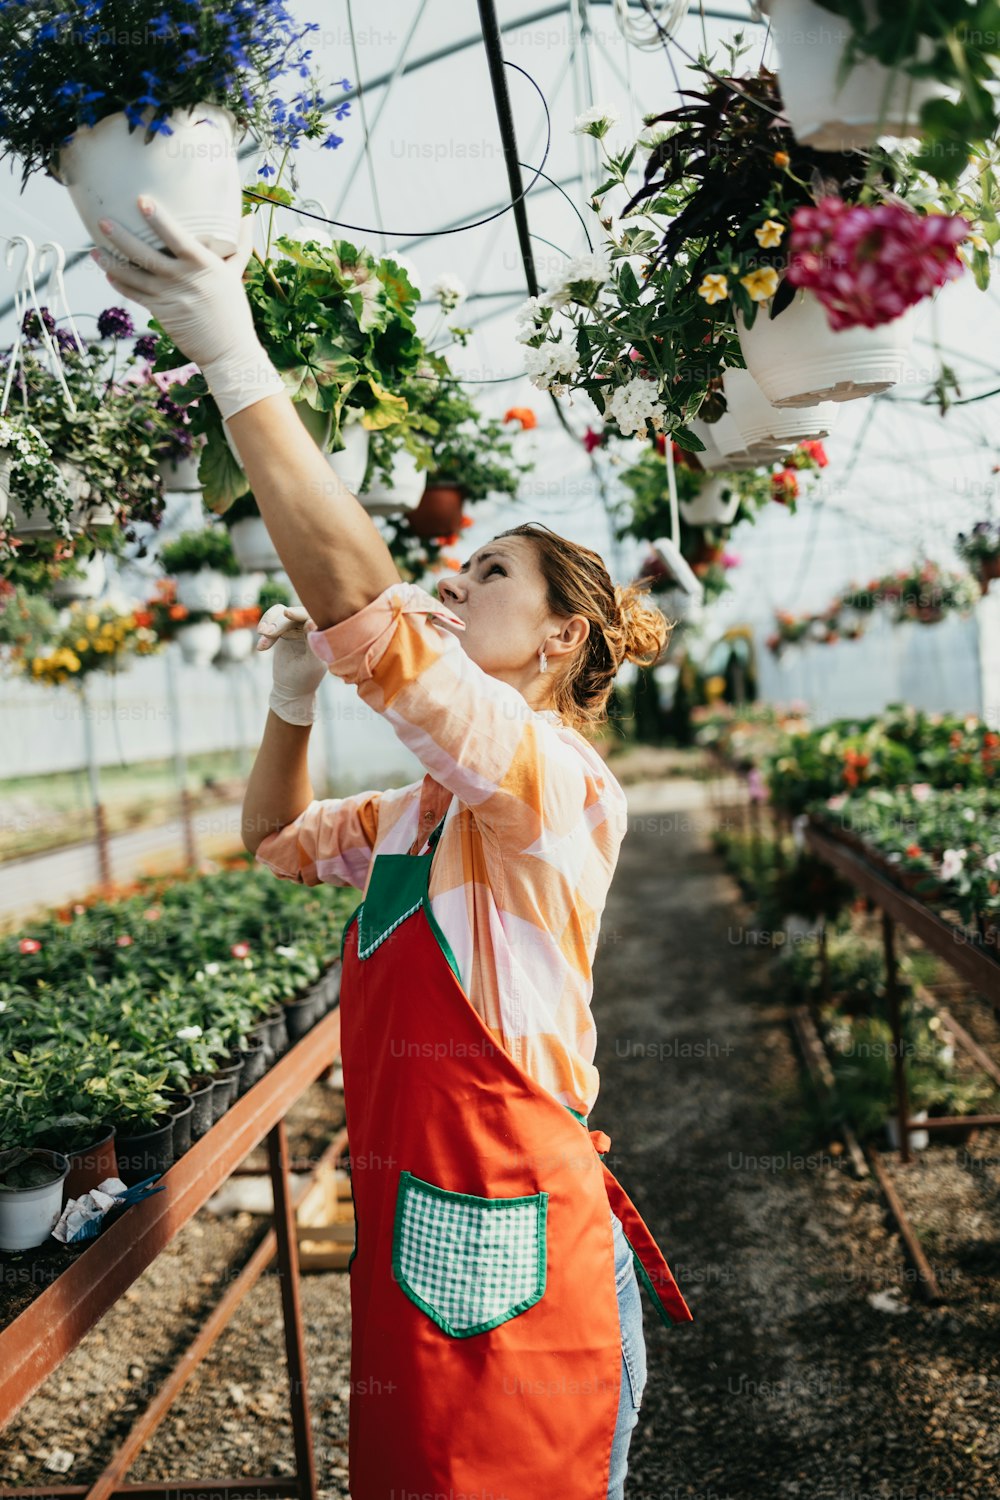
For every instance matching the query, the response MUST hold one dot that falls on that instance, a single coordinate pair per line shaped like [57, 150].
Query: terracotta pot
[439, 512]
[989, 568]
[92, 1164]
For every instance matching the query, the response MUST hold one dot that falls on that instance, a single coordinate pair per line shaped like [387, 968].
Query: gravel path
[813, 1368]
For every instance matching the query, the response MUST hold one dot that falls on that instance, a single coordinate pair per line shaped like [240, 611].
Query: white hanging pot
[826, 111]
[403, 492]
[6, 460]
[199, 642]
[724, 444]
[180, 475]
[193, 173]
[206, 589]
[918, 1139]
[87, 587]
[27, 1215]
[352, 460]
[236, 645]
[253, 546]
[798, 360]
[715, 505]
[244, 588]
[767, 428]
[82, 514]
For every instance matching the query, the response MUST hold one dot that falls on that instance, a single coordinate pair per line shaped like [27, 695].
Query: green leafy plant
[194, 550]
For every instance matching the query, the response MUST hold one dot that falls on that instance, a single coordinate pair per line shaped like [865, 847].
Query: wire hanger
[25, 293]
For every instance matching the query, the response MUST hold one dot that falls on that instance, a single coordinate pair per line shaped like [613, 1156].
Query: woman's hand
[297, 671]
[198, 297]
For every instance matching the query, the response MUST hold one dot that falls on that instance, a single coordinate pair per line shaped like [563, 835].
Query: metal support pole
[93, 777]
[288, 1272]
[180, 763]
[505, 119]
[895, 1021]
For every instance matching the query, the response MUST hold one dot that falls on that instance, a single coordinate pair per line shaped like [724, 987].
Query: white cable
[659, 18]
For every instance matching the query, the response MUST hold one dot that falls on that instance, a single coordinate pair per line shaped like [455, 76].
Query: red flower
[467, 521]
[593, 439]
[815, 450]
[784, 486]
[123, 940]
[240, 950]
[29, 945]
[913, 851]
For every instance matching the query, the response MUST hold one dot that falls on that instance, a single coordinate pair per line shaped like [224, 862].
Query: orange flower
[452, 562]
[467, 521]
[781, 158]
[913, 851]
[524, 415]
[143, 619]
[178, 611]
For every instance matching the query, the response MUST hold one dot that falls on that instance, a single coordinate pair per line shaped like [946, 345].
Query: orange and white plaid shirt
[534, 826]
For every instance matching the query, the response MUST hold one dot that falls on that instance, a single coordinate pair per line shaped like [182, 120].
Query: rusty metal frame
[40, 1337]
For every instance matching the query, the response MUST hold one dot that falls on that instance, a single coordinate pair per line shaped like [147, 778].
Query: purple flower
[115, 323]
[30, 325]
[145, 346]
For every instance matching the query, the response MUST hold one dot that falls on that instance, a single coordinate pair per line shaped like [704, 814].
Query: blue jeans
[633, 1360]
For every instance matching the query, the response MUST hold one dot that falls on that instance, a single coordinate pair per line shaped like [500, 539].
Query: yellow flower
[768, 236]
[761, 284]
[781, 158]
[714, 289]
[92, 622]
[81, 644]
[977, 242]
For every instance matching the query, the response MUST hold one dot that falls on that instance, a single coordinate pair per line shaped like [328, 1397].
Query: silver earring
[543, 665]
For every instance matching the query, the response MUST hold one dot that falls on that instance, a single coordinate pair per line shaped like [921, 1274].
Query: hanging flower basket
[830, 111]
[401, 493]
[725, 447]
[715, 505]
[797, 359]
[440, 510]
[253, 546]
[180, 475]
[199, 642]
[193, 173]
[31, 1194]
[244, 589]
[88, 587]
[767, 428]
[350, 463]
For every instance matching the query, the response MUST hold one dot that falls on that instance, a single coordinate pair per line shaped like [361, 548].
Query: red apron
[486, 1346]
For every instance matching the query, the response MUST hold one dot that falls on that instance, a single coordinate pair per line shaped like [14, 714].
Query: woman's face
[500, 596]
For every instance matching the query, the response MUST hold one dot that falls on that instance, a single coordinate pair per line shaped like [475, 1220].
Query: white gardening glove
[199, 299]
[297, 671]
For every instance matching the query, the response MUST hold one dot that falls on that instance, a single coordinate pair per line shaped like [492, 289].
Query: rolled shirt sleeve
[329, 843]
[518, 770]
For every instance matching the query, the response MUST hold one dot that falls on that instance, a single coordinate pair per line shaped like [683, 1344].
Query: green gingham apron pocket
[469, 1263]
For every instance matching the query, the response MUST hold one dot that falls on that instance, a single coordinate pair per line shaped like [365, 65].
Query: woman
[497, 1342]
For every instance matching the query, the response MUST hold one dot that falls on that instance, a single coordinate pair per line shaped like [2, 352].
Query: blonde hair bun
[645, 631]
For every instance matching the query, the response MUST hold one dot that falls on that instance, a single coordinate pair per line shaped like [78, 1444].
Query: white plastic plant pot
[199, 642]
[88, 587]
[830, 112]
[236, 645]
[724, 444]
[252, 545]
[28, 1214]
[244, 589]
[193, 173]
[403, 492]
[206, 589]
[767, 429]
[352, 460]
[180, 475]
[798, 360]
[716, 504]
[919, 1139]
[82, 513]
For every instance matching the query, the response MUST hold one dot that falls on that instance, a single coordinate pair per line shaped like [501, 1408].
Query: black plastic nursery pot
[32, 1183]
[182, 1111]
[223, 1094]
[145, 1150]
[302, 1014]
[277, 1031]
[254, 1062]
[200, 1091]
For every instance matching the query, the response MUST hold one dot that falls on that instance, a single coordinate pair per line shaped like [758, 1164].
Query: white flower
[584, 272]
[3, 1005]
[527, 320]
[992, 863]
[596, 121]
[543, 365]
[969, 814]
[286, 952]
[633, 405]
[449, 291]
[951, 863]
[189, 1033]
[212, 968]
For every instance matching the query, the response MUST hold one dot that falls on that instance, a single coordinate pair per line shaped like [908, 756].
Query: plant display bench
[35, 1343]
